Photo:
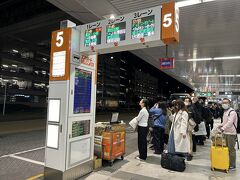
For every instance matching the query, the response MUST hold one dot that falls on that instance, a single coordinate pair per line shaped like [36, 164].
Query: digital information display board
[143, 27]
[92, 37]
[80, 128]
[116, 32]
[82, 91]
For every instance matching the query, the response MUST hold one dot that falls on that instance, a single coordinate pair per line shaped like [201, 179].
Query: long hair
[163, 107]
[181, 105]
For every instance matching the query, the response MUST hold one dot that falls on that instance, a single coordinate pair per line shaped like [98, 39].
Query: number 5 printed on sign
[59, 39]
[167, 20]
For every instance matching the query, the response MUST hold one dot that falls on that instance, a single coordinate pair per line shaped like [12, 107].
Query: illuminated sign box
[167, 63]
[131, 31]
[52, 136]
[54, 110]
[58, 66]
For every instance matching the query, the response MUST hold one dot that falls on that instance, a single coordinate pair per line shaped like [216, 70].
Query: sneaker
[138, 158]
[232, 168]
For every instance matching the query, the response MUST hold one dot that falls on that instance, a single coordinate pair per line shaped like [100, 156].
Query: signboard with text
[135, 30]
[170, 23]
[60, 55]
[167, 63]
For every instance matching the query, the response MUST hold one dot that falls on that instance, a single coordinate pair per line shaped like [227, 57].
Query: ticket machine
[71, 108]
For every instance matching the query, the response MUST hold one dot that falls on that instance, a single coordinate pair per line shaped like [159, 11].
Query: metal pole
[4, 101]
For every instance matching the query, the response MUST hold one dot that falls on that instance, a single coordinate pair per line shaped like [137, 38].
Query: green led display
[143, 27]
[116, 32]
[92, 37]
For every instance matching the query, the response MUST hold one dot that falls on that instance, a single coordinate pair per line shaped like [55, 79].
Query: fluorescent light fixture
[223, 58]
[190, 2]
[200, 59]
[221, 75]
[187, 3]
[215, 58]
[44, 59]
[15, 51]
[14, 65]
[4, 65]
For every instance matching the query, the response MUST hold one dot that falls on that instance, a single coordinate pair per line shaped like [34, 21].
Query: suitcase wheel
[226, 171]
[111, 163]
[212, 169]
[122, 157]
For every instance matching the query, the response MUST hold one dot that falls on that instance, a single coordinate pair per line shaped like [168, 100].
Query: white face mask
[225, 106]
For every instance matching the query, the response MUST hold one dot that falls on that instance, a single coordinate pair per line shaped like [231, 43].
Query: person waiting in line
[159, 111]
[199, 136]
[142, 129]
[193, 113]
[228, 129]
[179, 140]
[168, 123]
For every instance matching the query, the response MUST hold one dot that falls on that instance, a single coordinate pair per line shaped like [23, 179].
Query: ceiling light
[112, 16]
[4, 65]
[111, 57]
[14, 65]
[223, 58]
[15, 51]
[187, 3]
[221, 75]
[200, 59]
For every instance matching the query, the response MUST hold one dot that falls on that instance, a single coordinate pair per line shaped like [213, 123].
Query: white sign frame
[128, 43]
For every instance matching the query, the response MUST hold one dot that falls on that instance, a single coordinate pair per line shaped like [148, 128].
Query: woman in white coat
[179, 140]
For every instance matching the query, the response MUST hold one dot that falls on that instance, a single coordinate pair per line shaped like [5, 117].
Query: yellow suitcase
[219, 158]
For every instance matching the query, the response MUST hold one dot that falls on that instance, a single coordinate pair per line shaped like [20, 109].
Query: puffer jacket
[161, 119]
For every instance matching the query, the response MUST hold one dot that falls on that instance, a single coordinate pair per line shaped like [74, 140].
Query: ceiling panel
[208, 29]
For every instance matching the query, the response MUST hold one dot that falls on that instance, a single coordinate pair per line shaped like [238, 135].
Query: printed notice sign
[59, 61]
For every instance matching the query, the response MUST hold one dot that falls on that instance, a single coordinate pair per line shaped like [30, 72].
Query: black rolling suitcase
[173, 162]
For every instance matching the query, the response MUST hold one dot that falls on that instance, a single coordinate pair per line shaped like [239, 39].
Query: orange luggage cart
[113, 145]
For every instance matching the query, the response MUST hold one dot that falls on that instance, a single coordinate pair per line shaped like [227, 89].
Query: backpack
[238, 122]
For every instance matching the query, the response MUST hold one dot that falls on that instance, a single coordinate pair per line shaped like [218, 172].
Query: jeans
[158, 139]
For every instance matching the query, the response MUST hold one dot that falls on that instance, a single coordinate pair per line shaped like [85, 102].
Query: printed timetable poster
[82, 91]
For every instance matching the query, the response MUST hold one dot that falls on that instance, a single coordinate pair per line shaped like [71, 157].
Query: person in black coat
[193, 113]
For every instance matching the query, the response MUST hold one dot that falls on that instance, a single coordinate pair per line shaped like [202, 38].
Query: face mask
[225, 106]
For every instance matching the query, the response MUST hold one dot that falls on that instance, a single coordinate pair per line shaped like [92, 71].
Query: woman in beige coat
[179, 140]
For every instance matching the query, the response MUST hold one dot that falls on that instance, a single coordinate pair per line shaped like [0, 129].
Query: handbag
[202, 130]
[173, 162]
[191, 125]
[133, 123]
[151, 121]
